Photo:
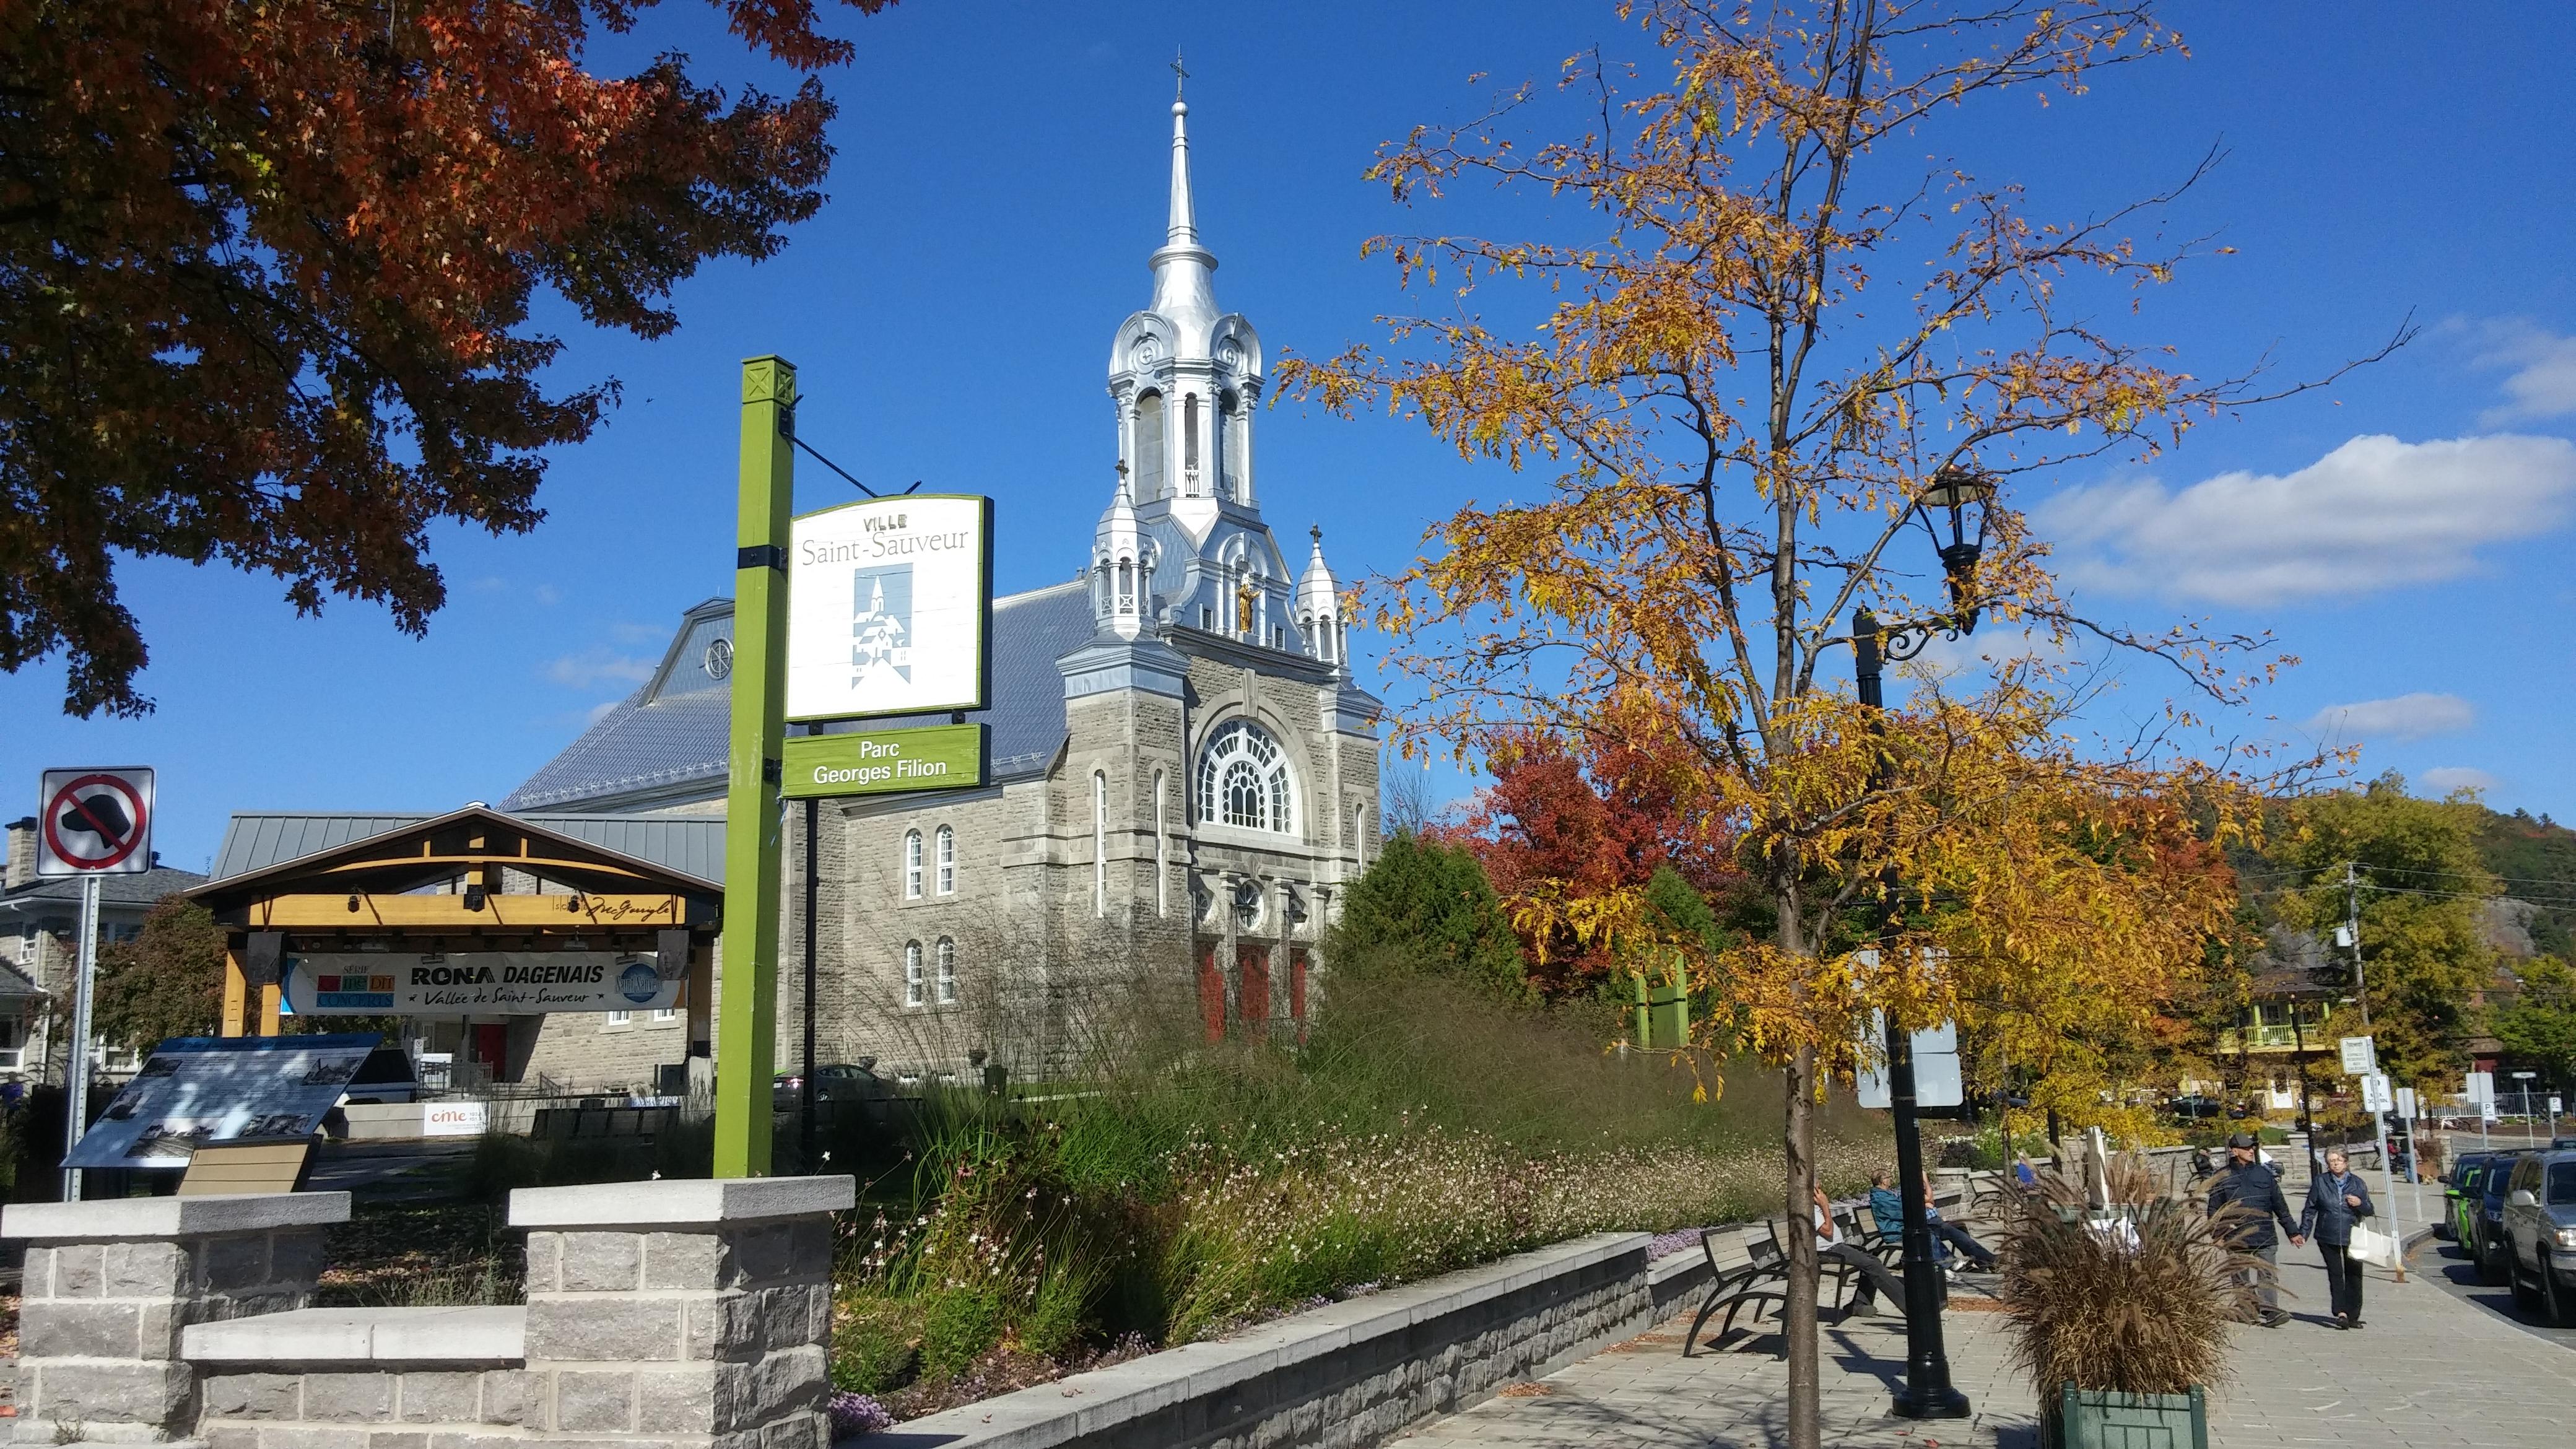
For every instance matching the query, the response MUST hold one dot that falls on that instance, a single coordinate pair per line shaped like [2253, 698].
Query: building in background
[39, 951]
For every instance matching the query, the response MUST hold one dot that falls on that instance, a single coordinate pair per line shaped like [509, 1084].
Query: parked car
[2490, 1251]
[833, 1082]
[2540, 1233]
[2459, 1200]
[2195, 1107]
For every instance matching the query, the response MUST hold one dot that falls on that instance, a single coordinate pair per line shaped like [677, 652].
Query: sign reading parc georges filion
[889, 607]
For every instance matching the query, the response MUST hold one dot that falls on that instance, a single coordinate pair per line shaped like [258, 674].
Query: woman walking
[2337, 1199]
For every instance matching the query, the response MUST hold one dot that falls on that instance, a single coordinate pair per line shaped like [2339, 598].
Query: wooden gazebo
[473, 886]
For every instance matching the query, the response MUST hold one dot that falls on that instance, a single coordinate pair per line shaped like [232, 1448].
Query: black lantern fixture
[1958, 492]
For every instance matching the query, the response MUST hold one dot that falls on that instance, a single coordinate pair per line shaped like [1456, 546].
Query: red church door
[1211, 996]
[1252, 972]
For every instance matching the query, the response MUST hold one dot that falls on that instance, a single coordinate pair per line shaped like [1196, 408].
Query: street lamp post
[1927, 1392]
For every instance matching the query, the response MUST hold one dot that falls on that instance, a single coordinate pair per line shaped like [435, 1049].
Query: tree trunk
[1798, 1316]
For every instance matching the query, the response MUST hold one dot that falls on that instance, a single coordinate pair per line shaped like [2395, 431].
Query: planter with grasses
[2120, 1309]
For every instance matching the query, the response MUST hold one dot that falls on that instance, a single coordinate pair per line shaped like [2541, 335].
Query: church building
[1183, 773]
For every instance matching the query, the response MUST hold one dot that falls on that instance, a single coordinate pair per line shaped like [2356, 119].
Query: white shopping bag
[2369, 1245]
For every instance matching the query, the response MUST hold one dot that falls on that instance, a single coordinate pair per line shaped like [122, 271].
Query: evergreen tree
[1428, 907]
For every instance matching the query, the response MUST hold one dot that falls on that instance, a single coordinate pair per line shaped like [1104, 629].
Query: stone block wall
[110, 1288]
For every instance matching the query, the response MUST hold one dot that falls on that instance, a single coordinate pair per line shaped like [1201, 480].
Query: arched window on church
[1126, 586]
[1162, 853]
[1243, 780]
[947, 861]
[912, 984]
[1099, 844]
[1190, 436]
[947, 972]
[1224, 438]
[912, 865]
[1150, 483]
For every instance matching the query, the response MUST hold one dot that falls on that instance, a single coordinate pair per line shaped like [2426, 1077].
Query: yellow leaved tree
[1787, 334]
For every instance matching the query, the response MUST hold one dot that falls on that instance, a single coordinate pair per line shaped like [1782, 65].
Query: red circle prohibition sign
[68, 797]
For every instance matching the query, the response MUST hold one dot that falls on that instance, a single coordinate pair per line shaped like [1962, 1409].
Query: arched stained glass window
[1243, 780]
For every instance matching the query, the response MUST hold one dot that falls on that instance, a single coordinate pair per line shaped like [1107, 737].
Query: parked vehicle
[2490, 1253]
[2459, 1200]
[833, 1082]
[2195, 1108]
[2540, 1233]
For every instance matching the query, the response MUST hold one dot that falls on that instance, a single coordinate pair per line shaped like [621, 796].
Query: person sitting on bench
[1832, 1247]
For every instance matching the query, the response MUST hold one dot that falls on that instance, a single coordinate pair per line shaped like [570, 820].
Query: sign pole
[747, 1031]
[76, 1073]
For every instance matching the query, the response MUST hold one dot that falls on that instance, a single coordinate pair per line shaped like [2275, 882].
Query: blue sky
[1000, 183]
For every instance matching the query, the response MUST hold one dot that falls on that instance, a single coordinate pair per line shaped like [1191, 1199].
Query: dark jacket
[2326, 1217]
[2255, 1192]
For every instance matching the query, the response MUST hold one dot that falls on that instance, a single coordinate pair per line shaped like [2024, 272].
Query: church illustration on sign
[1184, 772]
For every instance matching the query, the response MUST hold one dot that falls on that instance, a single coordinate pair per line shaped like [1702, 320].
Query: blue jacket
[1889, 1209]
[2258, 1190]
[2326, 1216]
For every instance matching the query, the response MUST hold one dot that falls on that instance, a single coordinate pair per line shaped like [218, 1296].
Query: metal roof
[256, 840]
[140, 889]
[671, 734]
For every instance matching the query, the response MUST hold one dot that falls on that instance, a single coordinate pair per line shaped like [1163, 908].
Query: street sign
[2360, 1056]
[2482, 1088]
[877, 762]
[2406, 1103]
[2375, 1095]
[889, 607]
[1936, 1067]
[2556, 1110]
[95, 822]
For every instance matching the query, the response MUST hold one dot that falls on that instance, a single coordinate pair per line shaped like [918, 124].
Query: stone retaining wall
[1352, 1374]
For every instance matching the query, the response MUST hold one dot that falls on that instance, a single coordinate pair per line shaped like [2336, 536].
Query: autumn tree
[2412, 867]
[266, 274]
[166, 980]
[1758, 331]
[1582, 819]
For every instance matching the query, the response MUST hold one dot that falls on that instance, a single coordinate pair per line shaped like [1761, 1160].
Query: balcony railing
[2260, 1039]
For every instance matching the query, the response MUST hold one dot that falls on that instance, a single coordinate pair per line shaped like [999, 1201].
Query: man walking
[2244, 1202]
[2337, 1199]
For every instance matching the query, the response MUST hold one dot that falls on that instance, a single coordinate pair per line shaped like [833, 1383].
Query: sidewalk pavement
[2428, 1372]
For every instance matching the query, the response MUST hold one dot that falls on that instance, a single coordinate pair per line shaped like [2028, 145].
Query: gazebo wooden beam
[362, 910]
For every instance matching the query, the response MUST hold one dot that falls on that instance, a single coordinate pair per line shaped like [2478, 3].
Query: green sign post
[881, 762]
[747, 1035]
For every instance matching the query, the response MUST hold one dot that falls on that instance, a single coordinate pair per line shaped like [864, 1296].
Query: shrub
[1428, 907]
[2136, 1299]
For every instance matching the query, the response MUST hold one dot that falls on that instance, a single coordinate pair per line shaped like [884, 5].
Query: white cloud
[2542, 383]
[2406, 717]
[2375, 513]
[2447, 778]
[585, 671]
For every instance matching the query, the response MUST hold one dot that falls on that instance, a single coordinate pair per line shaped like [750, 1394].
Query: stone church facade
[1184, 772]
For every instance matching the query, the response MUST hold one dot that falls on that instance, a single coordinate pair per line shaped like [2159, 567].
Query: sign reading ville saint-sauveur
[877, 762]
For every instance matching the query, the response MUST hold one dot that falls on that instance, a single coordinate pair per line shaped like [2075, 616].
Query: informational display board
[477, 983]
[199, 1091]
[2360, 1056]
[889, 607]
[94, 820]
[1937, 1082]
[879, 762]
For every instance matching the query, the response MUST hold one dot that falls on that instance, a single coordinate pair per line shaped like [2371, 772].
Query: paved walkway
[2429, 1372]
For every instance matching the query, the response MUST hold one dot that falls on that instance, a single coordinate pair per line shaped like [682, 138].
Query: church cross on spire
[1180, 77]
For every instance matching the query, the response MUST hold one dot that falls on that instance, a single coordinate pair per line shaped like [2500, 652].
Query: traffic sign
[95, 822]
[2360, 1056]
[2375, 1095]
[2482, 1088]
[2406, 1103]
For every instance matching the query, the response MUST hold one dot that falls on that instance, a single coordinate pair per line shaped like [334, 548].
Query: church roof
[666, 743]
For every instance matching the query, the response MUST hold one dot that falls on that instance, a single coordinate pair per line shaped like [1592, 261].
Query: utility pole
[2361, 994]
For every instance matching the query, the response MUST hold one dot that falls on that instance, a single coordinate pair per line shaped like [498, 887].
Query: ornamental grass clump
[2133, 1294]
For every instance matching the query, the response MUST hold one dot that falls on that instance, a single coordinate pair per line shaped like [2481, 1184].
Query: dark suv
[2540, 1233]
[2489, 1250]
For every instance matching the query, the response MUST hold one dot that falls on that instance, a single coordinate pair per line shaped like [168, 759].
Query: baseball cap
[2243, 1139]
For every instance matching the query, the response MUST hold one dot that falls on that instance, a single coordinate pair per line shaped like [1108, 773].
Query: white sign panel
[466, 1118]
[95, 821]
[2375, 1096]
[2406, 1103]
[2554, 1109]
[197, 1091]
[2482, 1087]
[889, 606]
[2360, 1056]
[1936, 1067]
[478, 983]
